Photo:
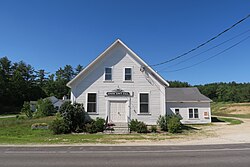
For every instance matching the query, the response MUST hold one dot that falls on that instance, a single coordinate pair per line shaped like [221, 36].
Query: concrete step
[119, 128]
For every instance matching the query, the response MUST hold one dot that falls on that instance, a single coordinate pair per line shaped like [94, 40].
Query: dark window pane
[127, 70]
[143, 108]
[128, 74]
[91, 107]
[190, 113]
[108, 70]
[108, 73]
[128, 77]
[143, 97]
[177, 111]
[196, 114]
[92, 97]
[108, 77]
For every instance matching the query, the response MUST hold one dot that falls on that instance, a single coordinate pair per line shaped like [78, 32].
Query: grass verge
[18, 131]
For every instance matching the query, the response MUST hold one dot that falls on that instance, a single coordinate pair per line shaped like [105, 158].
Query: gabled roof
[185, 95]
[118, 41]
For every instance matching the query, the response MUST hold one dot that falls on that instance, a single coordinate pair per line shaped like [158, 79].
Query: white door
[117, 111]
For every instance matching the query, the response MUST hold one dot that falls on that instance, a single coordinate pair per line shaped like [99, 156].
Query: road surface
[121, 156]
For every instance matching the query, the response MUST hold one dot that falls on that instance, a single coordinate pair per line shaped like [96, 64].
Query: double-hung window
[91, 103]
[144, 103]
[108, 74]
[128, 74]
[193, 113]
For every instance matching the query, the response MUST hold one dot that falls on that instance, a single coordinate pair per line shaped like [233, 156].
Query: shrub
[73, 115]
[142, 128]
[133, 125]
[91, 127]
[174, 124]
[100, 124]
[137, 126]
[153, 129]
[95, 126]
[26, 110]
[58, 126]
[44, 108]
[162, 122]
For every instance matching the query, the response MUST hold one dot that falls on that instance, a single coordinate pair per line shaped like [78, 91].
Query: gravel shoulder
[217, 133]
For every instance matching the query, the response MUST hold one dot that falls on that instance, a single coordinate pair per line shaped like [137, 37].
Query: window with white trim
[144, 103]
[108, 74]
[193, 113]
[128, 74]
[91, 103]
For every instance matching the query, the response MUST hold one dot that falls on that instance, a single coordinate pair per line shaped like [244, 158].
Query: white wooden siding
[184, 111]
[119, 58]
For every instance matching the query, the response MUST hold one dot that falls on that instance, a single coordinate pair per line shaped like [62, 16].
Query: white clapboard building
[119, 86]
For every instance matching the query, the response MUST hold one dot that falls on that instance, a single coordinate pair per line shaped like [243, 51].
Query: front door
[117, 111]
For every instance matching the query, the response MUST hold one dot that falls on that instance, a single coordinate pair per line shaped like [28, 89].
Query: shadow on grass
[187, 127]
[215, 119]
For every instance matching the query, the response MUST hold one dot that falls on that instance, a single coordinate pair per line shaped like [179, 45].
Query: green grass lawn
[14, 131]
[222, 109]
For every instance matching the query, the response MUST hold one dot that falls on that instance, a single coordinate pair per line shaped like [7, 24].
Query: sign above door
[118, 92]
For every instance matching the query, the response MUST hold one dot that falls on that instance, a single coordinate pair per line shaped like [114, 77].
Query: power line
[211, 39]
[210, 57]
[206, 50]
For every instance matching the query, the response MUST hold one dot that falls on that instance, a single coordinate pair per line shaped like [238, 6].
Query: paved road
[121, 156]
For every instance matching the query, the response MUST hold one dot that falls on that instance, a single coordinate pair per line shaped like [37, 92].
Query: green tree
[44, 108]
[26, 110]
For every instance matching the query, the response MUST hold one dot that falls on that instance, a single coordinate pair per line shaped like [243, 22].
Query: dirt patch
[240, 109]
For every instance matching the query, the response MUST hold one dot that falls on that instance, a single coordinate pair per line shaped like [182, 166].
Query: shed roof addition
[185, 95]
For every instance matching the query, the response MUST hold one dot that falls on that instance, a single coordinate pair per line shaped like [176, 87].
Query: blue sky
[49, 34]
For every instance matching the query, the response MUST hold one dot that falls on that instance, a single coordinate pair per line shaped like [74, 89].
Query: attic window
[108, 74]
[128, 74]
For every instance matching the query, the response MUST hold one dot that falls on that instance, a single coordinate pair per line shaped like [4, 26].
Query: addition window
[91, 103]
[128, 74]
[177, 111]
[193, 113]
[108, 74]
[144, 103]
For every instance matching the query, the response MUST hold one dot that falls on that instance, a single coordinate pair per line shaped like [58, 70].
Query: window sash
[108, 74]
[91, 103]
[196, 113]
[128, 74]
[144, 103]
[193, 113]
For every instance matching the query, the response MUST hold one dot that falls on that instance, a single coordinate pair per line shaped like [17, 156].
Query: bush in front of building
[174, 124]
[170, 123]
[153, 129]
[162, 122]
[137, 126]
[100, 124]
[59, 126]
[95, 126]
[73, 115]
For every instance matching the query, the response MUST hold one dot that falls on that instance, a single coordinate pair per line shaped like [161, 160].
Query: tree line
[20, 82]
